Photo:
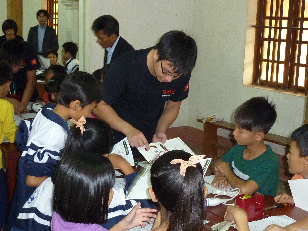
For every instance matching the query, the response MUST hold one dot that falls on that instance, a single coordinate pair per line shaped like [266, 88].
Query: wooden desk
[216, 214]
[12, 156]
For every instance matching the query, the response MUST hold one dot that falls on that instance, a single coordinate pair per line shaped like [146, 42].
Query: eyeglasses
[22, 65]
[165, 72]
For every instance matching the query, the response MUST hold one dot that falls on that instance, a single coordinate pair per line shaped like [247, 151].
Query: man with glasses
[23, 60]
[143, 90]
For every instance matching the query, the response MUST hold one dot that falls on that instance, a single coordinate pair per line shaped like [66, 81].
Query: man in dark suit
[106, 29]
[42, 36]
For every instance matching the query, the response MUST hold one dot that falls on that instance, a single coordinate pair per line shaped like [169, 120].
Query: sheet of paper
[260, 225]
[299, 189]
[123, 149]
[139, 187]
[207, 183]
[158, 149]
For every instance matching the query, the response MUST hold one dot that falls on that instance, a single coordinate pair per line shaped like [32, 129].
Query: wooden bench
[211, 145]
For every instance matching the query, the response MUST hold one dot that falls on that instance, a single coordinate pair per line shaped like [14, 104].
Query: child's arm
[298, 225]
[119, 162]
[33, 181]
[238, 216]
[246, 187]
[284, 198]
[219, 179]
[136, 217]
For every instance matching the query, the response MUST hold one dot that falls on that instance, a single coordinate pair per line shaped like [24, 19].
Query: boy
[79, 94]
[69, 52]
[250, 165]
[52, 55]
[7, 129]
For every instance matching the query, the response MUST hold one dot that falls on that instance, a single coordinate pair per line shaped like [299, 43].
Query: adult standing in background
[9, 28]
[42, 36]
[143, 90]
[106, 29]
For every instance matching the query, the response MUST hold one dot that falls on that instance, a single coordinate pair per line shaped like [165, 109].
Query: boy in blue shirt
[250, 165]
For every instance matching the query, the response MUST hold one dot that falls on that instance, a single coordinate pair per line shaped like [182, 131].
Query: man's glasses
[165, 72]
[22, 65]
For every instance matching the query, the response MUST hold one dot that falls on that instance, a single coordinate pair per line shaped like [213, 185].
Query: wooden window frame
[293, 45]
[52, 8]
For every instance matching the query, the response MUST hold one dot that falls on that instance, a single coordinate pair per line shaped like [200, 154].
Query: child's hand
[120, 163]
[219, 181]
[136, 217]
[223, 167]
[238, 216]
[274, 228]
[284, 198]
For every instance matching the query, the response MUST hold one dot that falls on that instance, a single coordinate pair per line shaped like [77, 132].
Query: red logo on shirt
[33, 61]
[187, 86]
[168, 92]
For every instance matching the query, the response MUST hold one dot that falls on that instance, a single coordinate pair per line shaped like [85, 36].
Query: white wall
[3, 13]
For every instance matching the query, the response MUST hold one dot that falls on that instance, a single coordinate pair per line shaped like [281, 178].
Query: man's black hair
[107, 23]
[45, 12]
[179, 49]
[13, 52]
[256, 114]
[71, 47]
[9, 24]
[6, 73]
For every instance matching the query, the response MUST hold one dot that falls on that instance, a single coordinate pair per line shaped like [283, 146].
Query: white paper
[299, 189]
[260, 225]
[158, 149]
[207, 183]
[139, 187]
[123, 149]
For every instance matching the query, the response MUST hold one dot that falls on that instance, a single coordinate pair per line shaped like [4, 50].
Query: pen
[164, 147]
[126, 149]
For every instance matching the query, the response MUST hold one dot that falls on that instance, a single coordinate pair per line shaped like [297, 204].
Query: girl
[83, 173]
[178, 188]
[79, 94]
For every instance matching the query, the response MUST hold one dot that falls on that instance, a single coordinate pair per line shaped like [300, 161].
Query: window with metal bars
[52, 8]
[281, 45]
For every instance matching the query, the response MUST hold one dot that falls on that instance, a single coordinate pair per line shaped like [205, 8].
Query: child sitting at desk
[49, 73]
[79, 94]
[250, 165]
[7, 130]
[69, 52]
[178, 188]
[52, 55]
[91, 137]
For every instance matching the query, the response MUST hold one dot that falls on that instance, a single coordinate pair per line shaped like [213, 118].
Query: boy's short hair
[107, 23]
[13, 52]
[99, 74]
[80, 86]
[45, 12]
[256, 114]
[56, 69]
[54, 84]
[52, 51]
[71, 47]
[179, 49]
[6, 73]
[9, 24]
[300, 136]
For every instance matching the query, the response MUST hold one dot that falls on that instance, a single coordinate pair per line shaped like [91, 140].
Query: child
[53, 88]
[52, 55]
[69, 52]
[90, 176]
[100, 73]
[250, 165]
[79, 94]
[178, 188]
[97, 138]
[7, 130]
[49, 73]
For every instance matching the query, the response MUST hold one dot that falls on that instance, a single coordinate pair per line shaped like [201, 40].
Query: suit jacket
[50, 40]
[121, 48]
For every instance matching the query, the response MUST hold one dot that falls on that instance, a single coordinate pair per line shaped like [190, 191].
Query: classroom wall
[219, 28]
[3, 13]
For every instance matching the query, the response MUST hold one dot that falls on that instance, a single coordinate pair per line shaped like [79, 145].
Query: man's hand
[135, 218]
[19, 108]
[136, 138]
[160, 137]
